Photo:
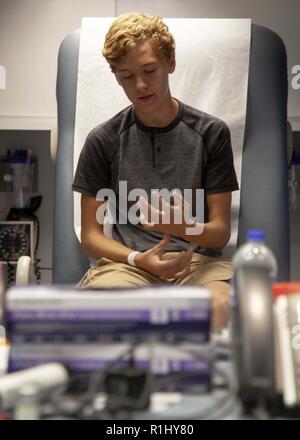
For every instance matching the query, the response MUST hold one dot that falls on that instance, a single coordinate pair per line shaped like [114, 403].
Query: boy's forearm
[211, 235]
[97, 245]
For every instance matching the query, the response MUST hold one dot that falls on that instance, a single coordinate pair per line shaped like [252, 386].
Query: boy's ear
[116, 76]
[172, 64]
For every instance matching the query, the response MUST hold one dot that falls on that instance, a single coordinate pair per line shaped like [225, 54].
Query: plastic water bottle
[255, 253]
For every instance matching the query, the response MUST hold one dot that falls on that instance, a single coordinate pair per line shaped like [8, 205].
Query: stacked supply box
[88, 330]
[183, 366]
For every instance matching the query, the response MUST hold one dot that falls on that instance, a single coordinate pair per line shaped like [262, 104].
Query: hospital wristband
[130, 258]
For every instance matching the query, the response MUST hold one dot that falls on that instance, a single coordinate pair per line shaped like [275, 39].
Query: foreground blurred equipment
[287, 334]
[253, 338]
[125, 343]
[255, 253]
[254, 266]
[169, 328]
[47, 378]
[265, 331]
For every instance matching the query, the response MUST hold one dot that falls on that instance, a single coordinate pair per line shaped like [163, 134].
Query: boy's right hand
[153, 261]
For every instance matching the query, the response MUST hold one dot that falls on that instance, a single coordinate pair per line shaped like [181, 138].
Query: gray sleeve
[93, 168]
[219, 172]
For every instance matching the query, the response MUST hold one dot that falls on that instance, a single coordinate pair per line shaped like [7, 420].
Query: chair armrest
[24, 272]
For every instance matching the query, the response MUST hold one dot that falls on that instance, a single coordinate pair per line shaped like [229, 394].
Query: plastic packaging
[255, 253]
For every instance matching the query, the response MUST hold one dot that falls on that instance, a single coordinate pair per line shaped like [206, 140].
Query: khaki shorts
[110, 273]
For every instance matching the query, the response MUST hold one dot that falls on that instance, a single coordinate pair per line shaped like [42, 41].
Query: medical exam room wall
[30, 34]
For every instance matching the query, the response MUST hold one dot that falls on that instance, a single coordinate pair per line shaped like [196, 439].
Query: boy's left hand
[170, 219]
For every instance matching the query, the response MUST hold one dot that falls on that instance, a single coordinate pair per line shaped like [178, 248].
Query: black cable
[95, 385]
[97, 378]
[37, 271]
[11, 272]
[219, 408]
[37, 232]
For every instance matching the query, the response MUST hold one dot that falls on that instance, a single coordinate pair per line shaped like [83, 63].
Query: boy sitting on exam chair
[159, 149]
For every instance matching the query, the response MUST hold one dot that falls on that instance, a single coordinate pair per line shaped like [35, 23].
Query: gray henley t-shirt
[193, 152]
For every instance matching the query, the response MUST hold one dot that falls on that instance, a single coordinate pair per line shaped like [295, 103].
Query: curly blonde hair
[132, 28]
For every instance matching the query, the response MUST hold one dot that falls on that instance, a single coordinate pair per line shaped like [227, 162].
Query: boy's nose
[140, 83]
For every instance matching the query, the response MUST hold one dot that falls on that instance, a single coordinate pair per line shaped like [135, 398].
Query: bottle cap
[256, 235]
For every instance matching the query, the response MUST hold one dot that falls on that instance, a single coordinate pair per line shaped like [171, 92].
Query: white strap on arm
[130, 258]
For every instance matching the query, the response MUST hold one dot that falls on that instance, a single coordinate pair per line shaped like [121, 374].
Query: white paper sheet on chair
[212, 64]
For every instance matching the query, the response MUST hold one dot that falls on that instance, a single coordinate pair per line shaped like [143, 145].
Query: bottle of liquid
[252, 325]
[255, 253]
